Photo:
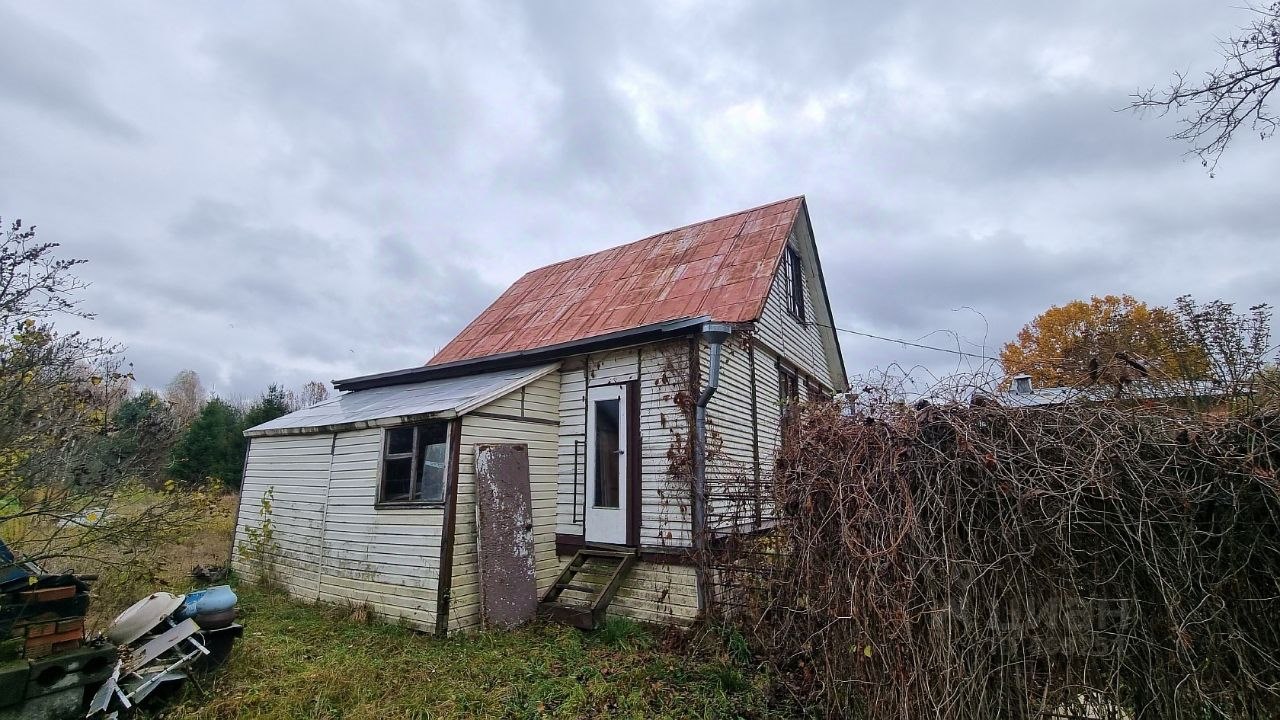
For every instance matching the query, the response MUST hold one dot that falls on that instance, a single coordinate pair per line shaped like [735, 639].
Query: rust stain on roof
[721, 268]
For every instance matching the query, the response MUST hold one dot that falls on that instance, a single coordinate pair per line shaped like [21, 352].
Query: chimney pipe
[1022, 384]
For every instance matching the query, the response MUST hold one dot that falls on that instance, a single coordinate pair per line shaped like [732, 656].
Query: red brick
[36, 629]
[47, 594]
[45, 644]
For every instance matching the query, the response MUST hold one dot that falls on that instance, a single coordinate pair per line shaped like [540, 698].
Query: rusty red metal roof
[721, 268]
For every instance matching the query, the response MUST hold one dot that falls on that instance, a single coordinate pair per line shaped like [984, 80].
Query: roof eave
[393, 421]
[822, 281]
[633, 336]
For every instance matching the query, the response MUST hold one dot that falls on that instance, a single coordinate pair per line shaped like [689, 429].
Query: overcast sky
[285, 191]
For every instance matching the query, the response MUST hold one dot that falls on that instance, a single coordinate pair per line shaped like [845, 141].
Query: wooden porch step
[581, 618]
[577, 588]
[603, 553]
[590, 615]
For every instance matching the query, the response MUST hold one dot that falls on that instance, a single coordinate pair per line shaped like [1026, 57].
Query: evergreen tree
[212, 447]
[273, 403]
[143, 432]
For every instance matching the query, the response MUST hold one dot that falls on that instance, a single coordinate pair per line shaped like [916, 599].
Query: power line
[907, 343]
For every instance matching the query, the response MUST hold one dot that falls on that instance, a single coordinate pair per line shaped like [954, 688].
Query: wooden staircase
[592, 577]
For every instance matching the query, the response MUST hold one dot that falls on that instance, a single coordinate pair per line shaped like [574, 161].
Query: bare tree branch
[1230, 98]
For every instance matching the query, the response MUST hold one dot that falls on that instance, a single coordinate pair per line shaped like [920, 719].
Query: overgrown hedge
[982, 562]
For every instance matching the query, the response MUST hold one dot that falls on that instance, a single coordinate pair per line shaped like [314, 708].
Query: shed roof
[380, 406]
[720, 269]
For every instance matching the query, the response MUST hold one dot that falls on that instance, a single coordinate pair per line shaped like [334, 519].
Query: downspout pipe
[715, 334]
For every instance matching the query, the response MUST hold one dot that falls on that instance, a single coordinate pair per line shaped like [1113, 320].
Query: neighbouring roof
[393, 405]
[1141, 390]
[720, 269]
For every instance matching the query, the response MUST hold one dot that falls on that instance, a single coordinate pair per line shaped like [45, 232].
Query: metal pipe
[715, 335]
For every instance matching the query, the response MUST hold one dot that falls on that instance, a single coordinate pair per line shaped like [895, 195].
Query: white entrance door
[607, 464]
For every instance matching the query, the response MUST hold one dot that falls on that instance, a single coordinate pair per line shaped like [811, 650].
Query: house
[1202, 395]
[569, 450]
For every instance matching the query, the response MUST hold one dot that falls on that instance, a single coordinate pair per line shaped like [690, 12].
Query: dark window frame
[795, 284]
[788, 387]
[417, 457]
[814, 392]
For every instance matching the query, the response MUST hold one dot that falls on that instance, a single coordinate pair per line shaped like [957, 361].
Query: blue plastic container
[209, 600]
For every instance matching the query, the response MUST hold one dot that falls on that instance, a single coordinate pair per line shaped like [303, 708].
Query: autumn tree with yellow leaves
[1109, 339]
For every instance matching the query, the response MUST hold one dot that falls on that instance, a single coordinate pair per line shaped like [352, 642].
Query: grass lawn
[299, 661]
[305, 661]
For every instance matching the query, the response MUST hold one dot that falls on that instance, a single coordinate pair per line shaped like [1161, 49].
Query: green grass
[299, 661]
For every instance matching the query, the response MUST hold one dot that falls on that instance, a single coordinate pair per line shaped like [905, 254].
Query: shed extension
[340, 531]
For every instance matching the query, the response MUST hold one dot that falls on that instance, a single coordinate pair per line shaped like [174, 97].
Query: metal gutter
[503, 361]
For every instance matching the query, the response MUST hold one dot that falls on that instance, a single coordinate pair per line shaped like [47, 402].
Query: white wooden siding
[802, 344]
[333, 545]
[662, 372]
[733, 494]
[769, 405]
[386, 557]
[296, 472]
[650, 592]
[539, 401]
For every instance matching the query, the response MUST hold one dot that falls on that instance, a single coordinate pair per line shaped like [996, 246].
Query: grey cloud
[1002, 276]
[294, 191]
[53, 75]
[398, 259]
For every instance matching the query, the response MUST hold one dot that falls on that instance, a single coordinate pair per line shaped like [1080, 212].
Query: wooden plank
[615, 582]
[444, 585]
[581, 618]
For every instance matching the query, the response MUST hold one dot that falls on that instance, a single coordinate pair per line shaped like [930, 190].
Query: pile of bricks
[44, 662]
[44, 619]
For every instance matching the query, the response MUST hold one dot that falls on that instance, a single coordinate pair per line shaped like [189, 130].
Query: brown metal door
[504, 520]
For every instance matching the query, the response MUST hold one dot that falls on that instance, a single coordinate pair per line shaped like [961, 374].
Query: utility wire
[907, 343]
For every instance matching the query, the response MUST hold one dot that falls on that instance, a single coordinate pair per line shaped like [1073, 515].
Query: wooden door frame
[635, 464]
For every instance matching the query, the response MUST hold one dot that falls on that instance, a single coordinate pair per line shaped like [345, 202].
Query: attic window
[415, 463]
[795, 280]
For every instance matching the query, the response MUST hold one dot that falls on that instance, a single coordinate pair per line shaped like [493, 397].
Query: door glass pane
[434, 443]
[607, 465]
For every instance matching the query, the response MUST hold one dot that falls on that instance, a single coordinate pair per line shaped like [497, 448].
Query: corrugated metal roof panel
[385, 405]
[1141, 390]
[719, 268]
